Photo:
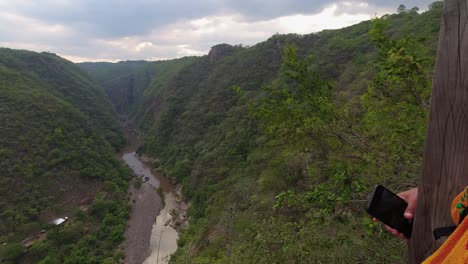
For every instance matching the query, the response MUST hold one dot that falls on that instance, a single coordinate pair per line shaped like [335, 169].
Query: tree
[12, 252]
[401, 9]
[300, 105]
[436, 5]
[50, 260]
[396, 105]
[415, 9]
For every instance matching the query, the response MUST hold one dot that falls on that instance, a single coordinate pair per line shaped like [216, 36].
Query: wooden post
[445, 163]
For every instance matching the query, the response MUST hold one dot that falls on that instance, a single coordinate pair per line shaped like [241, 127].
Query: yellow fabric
[455, 249]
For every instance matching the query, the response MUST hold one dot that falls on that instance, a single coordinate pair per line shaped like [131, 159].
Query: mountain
[125, 82]
[58, 139]
[278, 145]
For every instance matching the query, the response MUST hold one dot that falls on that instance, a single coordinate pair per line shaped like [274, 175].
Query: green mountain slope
[125, 82]
[58, 139]
[281, 174]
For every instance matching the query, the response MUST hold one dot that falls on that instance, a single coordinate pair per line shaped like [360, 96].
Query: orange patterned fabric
[458, 205]
[455, 249]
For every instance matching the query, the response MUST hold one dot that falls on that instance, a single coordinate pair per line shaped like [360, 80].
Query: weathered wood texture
[445, 163]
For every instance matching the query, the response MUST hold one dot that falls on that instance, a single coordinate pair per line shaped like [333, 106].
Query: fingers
[411, 197]
[409, 212]
[400, 235]
[391, 230]
[396, 233]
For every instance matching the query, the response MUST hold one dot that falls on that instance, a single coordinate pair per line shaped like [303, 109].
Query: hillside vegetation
[278, 145]
[58, 139]
[125, 82]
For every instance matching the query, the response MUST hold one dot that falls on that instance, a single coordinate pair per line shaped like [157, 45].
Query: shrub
[12, 252]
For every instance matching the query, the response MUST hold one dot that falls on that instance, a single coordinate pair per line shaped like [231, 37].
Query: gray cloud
[113, 29]
[114, 18]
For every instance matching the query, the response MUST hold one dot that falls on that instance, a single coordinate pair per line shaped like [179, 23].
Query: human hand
[411, 197]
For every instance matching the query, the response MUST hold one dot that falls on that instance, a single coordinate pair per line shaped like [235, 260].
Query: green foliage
[11, 252]
[91, 241]
[137, 182]
[345, 148]
[282, 141]
[397, 103]
[58, 139]
[401, 9]
[125, 82]
[436, 5]
[302, 107]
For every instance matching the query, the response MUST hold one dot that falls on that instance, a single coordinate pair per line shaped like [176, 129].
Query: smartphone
[389, 208]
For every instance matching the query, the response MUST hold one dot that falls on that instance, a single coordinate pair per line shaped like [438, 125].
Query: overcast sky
[112, 30]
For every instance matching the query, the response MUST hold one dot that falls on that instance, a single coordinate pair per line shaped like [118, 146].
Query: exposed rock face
[221, 50]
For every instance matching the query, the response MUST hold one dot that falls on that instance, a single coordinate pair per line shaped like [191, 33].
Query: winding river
[163, 239]
[152, 230]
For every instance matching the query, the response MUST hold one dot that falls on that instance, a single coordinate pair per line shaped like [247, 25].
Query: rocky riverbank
[152, 231]
[146, 206]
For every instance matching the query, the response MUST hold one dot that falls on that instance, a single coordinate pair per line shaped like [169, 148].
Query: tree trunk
[445, 163]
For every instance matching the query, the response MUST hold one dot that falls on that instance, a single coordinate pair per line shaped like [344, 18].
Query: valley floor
[146, 206]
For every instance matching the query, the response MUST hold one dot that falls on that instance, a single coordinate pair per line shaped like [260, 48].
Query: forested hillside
[125, 82]
[278, 145]
[58, 139]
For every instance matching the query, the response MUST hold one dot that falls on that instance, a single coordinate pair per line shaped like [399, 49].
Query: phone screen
[389, 208]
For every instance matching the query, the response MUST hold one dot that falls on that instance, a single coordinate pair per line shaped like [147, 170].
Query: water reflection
[131, 159]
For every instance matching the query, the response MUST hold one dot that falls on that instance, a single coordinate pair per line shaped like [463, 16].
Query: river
[151, 236]
[163, 238]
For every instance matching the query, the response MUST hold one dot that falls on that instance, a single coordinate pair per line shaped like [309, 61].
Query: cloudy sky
[112, 30]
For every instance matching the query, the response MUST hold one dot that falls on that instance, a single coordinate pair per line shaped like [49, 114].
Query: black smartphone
[389, 208]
